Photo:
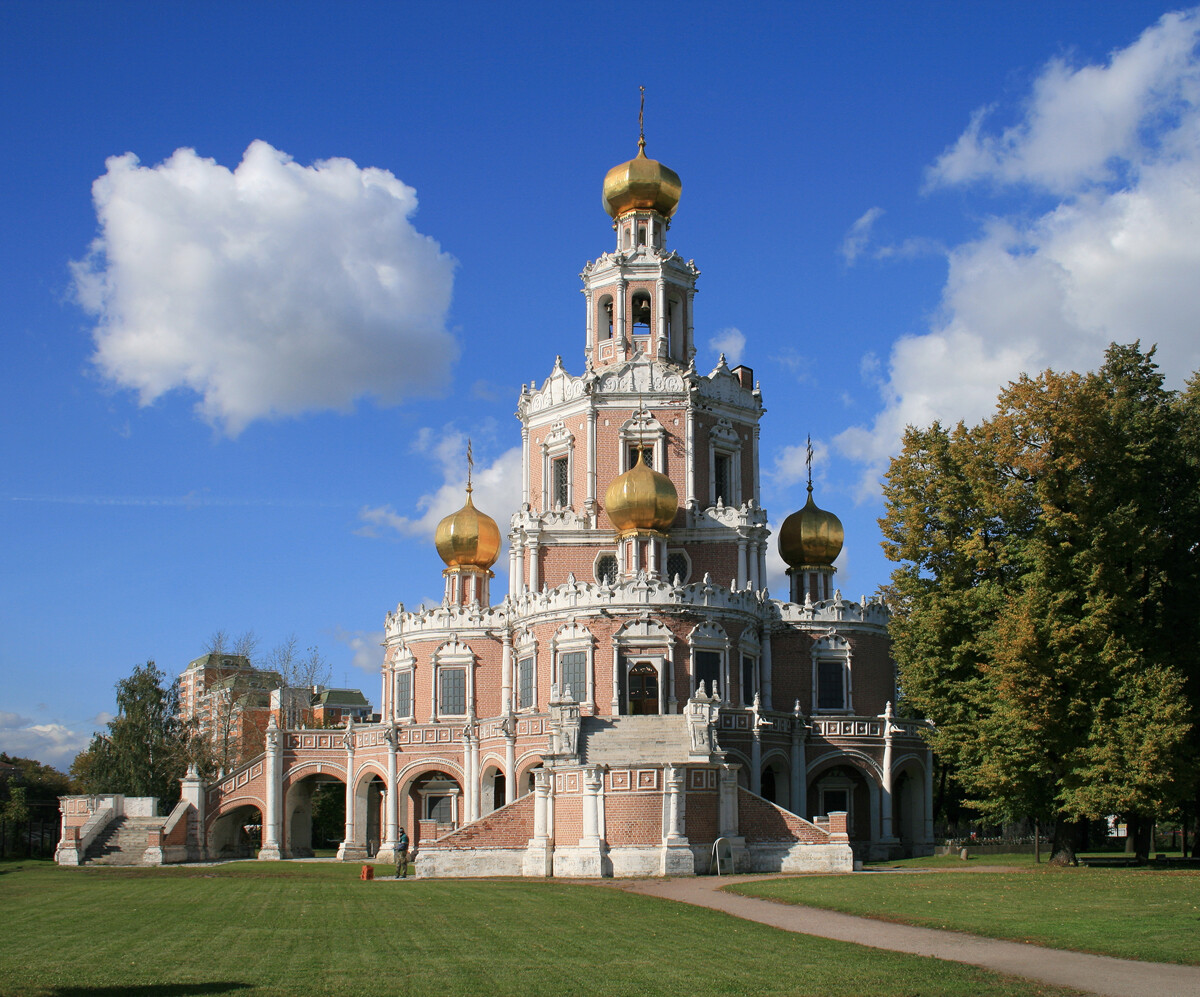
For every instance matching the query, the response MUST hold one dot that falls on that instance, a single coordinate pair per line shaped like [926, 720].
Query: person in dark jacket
[402, 855]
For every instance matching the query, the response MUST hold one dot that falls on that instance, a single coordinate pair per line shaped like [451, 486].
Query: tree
[296, 670]
[1046, 563]
[147, 748]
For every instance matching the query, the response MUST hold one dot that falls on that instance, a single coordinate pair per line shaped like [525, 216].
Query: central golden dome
[468, 538]
[641, 499]
[641, 183]
[811, 537]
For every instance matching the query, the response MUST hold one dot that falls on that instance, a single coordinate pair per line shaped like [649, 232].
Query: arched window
[641, 313]
[606, 317]
[606, 568]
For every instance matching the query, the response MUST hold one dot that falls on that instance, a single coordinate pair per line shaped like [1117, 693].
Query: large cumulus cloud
[268, 290]
[1099, 242]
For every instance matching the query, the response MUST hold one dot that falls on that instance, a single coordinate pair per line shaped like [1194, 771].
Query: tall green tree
[146, 749]
[1046, 559]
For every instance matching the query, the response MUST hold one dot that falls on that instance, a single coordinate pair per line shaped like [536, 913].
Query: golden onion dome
[811, 537]
[641, 499]
[641, 183]
[468, 538]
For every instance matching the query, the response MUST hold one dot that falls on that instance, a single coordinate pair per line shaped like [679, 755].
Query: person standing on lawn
[402, 855]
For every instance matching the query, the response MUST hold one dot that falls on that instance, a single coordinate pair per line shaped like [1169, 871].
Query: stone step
[614, 740]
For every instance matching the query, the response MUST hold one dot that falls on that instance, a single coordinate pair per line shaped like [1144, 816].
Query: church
[636, 703]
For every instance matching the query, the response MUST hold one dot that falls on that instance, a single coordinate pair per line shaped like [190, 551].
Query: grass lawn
[1131, 913]
[314, 928]
[954, 862]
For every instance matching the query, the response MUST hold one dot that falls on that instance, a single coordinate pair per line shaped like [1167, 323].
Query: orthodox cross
[808, 462]
[470, 463]
[641, 113]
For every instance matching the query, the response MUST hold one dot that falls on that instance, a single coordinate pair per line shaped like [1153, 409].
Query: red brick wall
[759, 820]
[701, 817]
[508, 827]
[568, 820]
[633, 818]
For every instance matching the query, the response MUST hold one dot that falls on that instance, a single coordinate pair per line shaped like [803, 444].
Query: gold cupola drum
[641, 504]
[469, 542]
[810, 540]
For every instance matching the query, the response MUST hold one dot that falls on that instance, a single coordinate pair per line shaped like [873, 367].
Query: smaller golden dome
[468, 538]
[641, 183]
[811, 537]
[641, 499]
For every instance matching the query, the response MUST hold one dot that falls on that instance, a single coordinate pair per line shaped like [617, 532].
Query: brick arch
[229, 804]
[372, 767]
[523, 765]
[860, 760]
[291, 777]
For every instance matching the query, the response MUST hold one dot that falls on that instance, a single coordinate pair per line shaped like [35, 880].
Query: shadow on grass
[157, 990]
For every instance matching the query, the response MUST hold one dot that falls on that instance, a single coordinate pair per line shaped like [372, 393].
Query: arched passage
[314, 814]
[776, 780]
[841, 783]
[909, 805]
[236, 833]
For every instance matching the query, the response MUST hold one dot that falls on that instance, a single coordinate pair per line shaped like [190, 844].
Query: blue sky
[237, 381]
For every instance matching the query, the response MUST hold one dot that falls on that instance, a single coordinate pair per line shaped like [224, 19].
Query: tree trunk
[1063, 847]
[1143, 836]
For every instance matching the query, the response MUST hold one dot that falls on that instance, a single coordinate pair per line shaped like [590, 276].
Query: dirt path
[1096, 974]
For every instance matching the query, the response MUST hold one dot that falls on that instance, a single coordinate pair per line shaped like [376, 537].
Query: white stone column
[391, 802]
[622, 336]
[510, 763]
[673, 785]
[765, 663]
[476, 804]
[592, 782]
[661, 346]
[689, 453]
[885, 801]
[539, 854]
[756, 758]
[591, 459]
[506, 672]
[799, 763]
[531, 555]
[616, 683]
[273, 818]
[513, 566]
[728, 809]
[351, 848]
[524, 463]
[591, 321]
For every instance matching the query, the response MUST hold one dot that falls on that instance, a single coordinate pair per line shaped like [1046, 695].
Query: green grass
[313, 928]
[1130, 913]
[954, 862]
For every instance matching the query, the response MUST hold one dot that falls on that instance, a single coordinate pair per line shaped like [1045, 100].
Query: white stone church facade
[636, 695]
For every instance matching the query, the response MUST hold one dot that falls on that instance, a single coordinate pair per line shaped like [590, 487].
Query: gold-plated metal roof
[811, 537]
[468, 538]
[641, 183]
[641, 499]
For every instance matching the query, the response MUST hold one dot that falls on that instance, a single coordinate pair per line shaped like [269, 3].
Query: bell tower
[639, 297]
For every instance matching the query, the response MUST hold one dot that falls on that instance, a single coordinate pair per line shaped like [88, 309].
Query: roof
[222, 660]
[343, 698]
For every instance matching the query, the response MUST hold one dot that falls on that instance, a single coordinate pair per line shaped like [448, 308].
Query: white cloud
[1115, 260]
[731, 342]
[1087, 124]
[367, 648]
[49, 743]
[269, 290]
[859, 236]
[497, 489]
[791, 464]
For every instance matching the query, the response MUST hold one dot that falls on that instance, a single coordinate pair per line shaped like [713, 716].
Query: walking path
[1096, 974]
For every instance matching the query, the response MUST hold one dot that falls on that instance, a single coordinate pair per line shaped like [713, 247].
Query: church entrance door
[643, 689]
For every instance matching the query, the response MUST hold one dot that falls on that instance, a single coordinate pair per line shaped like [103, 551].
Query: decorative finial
[470, 465]
[808, 462]
[641, 125]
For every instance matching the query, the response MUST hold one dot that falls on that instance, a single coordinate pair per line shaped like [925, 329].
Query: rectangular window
[572, 672]
[747, 680]
[453, 699]
[722, 465]
[647, 457]
[831, 686]
[404, 694]
[561, 496]
[525, 699]
[708, 669]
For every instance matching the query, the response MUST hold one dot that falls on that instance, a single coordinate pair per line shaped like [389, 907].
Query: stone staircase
[623, 740]
[123, 842]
